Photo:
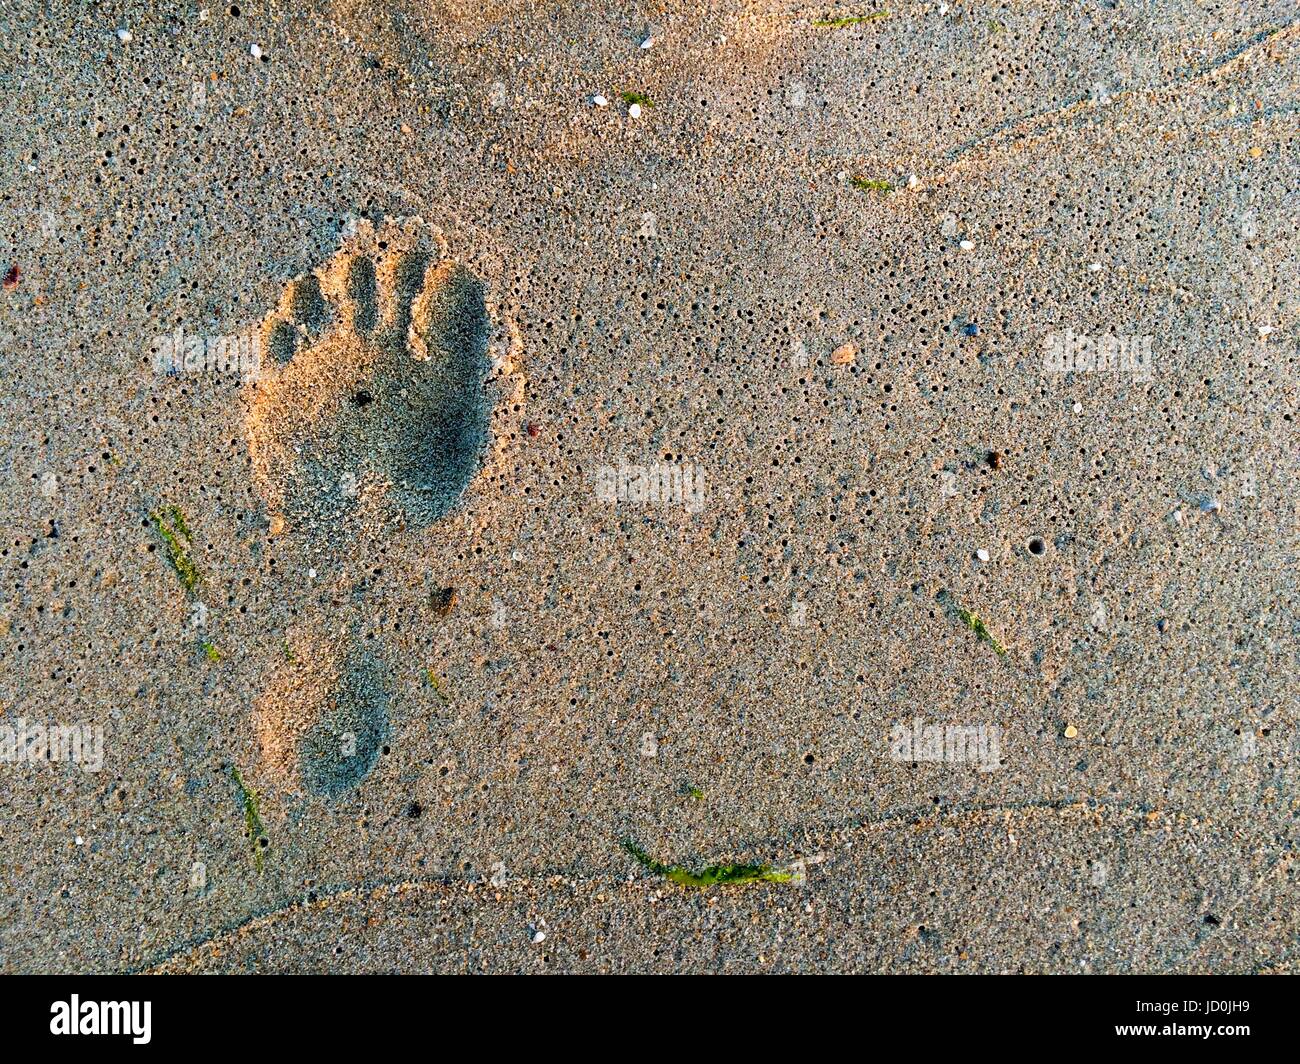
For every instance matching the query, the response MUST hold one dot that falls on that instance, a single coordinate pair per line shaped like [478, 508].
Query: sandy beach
[526, 487]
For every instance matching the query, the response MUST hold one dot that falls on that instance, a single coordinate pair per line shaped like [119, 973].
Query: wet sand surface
[445, 442]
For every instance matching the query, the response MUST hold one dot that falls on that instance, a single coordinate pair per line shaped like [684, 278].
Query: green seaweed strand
[248, 798]
[169, 522]
[707, 877]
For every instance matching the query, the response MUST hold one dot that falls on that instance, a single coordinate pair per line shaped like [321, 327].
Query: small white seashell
[256, 52]
[124, 35]
[967, 245]
[600, 101]
[634, 111]
[982, 554]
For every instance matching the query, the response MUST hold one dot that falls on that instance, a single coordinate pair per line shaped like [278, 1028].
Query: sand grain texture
[500, 322]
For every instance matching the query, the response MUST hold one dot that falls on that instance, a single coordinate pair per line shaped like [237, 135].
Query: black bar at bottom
[335, 1013]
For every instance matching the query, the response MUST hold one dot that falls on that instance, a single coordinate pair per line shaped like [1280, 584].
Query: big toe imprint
[371, 405]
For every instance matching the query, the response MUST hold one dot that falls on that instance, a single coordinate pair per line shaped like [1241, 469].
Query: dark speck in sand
[443, 600]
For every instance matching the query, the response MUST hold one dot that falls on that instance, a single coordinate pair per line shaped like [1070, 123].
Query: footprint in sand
[369, 416]
[369, 413]
[323, 718]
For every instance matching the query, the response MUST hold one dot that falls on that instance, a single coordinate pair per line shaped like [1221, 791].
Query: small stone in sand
[599, 101]
[844, 355]
[443, 600]
[982, 554]
[1071, 731]
[634, 111]
[967, 245]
